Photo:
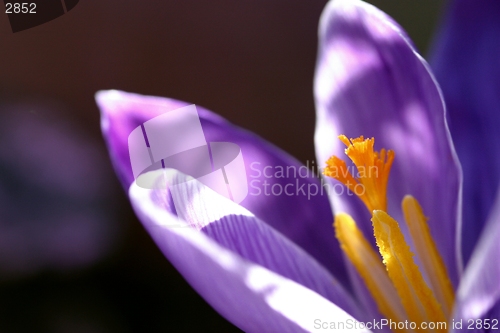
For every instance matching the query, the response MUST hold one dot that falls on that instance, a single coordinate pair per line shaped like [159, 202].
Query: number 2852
[20, 8]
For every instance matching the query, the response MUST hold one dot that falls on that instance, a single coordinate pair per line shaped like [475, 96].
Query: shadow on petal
[249, 295]
[304, 215]
[370, 81]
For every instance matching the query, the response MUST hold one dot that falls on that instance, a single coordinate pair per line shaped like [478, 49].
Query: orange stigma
[373, 170]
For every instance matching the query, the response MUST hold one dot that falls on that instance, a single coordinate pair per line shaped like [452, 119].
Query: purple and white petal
[252, 297]
[239, 231]
[370, 81]
[302, 213]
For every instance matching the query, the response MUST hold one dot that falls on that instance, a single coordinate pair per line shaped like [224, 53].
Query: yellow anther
[428, 253]
[373, 170]
[369, 266]
[418, 300]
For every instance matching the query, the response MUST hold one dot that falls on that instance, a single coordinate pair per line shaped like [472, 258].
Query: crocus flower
[271, 263]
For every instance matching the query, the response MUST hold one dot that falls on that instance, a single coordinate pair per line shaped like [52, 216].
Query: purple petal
[479, 290]
[238, 230]
[252, 297]
[370, 81]
[305, 219]
[466, 61]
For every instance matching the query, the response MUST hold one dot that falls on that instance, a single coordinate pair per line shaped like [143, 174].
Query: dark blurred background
[250, 61]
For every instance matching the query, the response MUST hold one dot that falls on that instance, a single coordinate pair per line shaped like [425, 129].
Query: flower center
[393, 279]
